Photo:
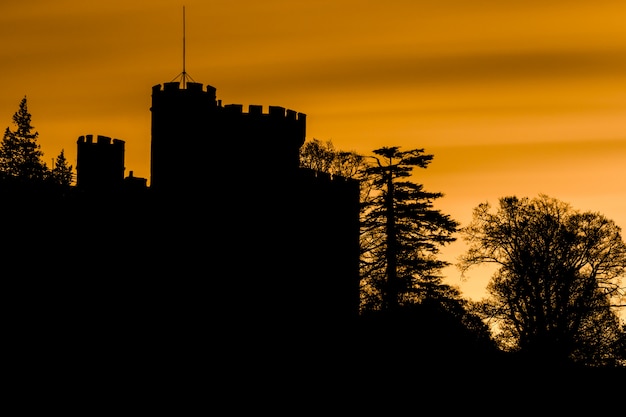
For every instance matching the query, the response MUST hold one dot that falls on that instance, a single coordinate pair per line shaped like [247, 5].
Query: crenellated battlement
[173, 89]
[100, 140]
[334, 186]
[274, 112]
[190, 86]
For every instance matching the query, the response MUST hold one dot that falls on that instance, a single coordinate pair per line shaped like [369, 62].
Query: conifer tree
[402, 233]
[20, 154]
[61, 173]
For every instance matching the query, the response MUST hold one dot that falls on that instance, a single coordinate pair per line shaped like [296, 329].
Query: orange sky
[512, 98]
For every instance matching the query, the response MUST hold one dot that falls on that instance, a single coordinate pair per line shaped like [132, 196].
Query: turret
[178, 132]
[99, 164]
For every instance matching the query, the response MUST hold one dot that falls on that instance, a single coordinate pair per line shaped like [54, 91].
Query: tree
[61, 174]
[558, 271]
[401, 234]
[20, 154]
[318, 156]
[322, 157]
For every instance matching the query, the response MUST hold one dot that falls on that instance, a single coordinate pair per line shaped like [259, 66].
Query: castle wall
[329, 246]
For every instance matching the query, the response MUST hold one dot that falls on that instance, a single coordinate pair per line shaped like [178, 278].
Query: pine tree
[61, 173]
[20, 154]
[402, 234]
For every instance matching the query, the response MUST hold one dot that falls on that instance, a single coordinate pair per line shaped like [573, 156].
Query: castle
[230, 225]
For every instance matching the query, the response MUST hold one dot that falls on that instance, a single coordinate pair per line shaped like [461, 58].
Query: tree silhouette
[61, 174]
[323, 157]
[402, 234]
[558, 271]
[20, 154]
[318, 155]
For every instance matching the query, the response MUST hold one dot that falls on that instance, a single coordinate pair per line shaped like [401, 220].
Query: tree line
[553, 299]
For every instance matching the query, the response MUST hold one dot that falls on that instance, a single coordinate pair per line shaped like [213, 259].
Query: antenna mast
[183, 75]
[184, 72]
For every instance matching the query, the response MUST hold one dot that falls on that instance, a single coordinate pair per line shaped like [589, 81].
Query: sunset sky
[515, 97]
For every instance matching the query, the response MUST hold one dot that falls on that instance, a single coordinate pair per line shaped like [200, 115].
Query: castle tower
[179, 120]
[99, 164]
[198, 143]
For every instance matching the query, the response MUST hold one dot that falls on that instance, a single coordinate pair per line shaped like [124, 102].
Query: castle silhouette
[231, 227]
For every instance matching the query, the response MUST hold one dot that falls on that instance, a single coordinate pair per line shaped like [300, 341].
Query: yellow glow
[512, 98]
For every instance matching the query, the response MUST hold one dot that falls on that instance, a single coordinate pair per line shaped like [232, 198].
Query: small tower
[99, 164]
